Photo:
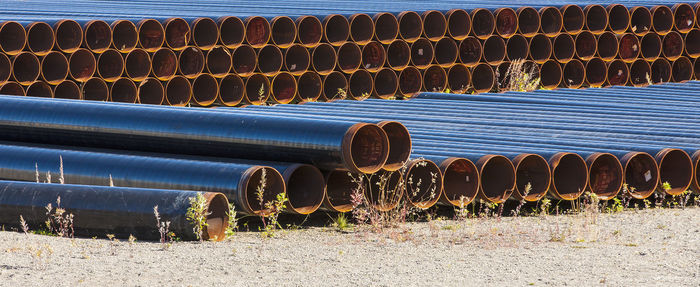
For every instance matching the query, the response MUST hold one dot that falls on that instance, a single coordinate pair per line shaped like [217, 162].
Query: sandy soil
[657, 247]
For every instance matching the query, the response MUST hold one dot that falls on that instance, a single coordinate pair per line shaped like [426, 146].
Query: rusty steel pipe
[640, 20]
[410, 26]
[283, 88]
[483, 78]
[574, 74]
[39, 89]
[13, 37]
[517, 48]
[95, 89]
[697, 15]
[335, 87]
[460, 178]
[270, 60]
[504, 73]
[110, 65]
[576, 175]
[532, 170]
[323, 59]
[137, 64]
[596, 72]
[190, 62]
[309, 31]
[151, 35]
[434, 79]
[551, 74]
[551, 21]
[218, 61]
[675, 167]
[297, 59]
[205, 33]
[683, 17]
[696, 68]
[82, 65]
[607, 46]
[494, 49]
[682, 70]
[618, 18]
[373, 56]
[483, 23]
[672, 46]
[540, 48]
[360, 85]
[177, 33]
[5, 68]
[662, 19]
[692, 43]
[446, 52]
[386, 84]
[349, 57]
[458, 78]
[69, 35]
[25, 68]
[596, 19]
[410, 81]
[618, 73]
[661, 71]
[459, 24]
[385, 30]
[398, 55]
[383, 190]
[336, 29]
[506, 22]
[640, 73]
[150, 92]
[125, 35]
[650, 47]
[257, 31]
[362, 27]
[244, 60]
[40, 38]
[123, 90]
[434, 25]
[586, 45]
[54, 67]
[309, 86]
[257, 89]
[605, 175]
[573, 19]
[205, 90]
[178, 91]
[629, 48]
[497, 178]
[340, 185]
[12, 88]
[231, 90]
[563, 48]
[528, 21]
[67, 90]
[283, 31]
[97, 36]
[470, 51]
[231, 31]
[423, 181]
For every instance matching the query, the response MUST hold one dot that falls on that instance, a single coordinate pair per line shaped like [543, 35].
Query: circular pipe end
[177, 33]
[483, 23]
[205, 33]
[231, 31]
[231, 90]
[151, 92]
[676, 169]
[365, 148]
[362, 27]
[95, 89]
[217, 216]
[386, 28]
[340, 186]
[309, 31]
[641, 174]
[460, 182]
[569, 176]
[69, 35]
[125, 35]
[384, 190]
[399, 144]
[256, 178]
[532, 177]
[40, 38]
[596, 18]
[497, 178]
[604, 175]
[151, 35]
[306, 188]
[98, 36]
[13, 37]
[423, 183]
[506, 22]
[618, 18]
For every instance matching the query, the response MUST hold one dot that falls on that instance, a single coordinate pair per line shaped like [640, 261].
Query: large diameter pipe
[459, 24]
[618, 18]
[506, 22]
[682, 70]
[69, 35]
[360, 85]
[640, 20]
[151, 35]
[205, 90]
[309, 87]
[618, 73]
[117, 210]
[385, 30]
[349, 57]
[231, 90]
[125, 35]
[586, 45]
[39, 89]
[692, 43]
[309, 31]
[205, 33]
[683, 17]
[177, 33]
[434, 25]
[551, 21]
[341, 185]
[138, 64]
[362, 27]
[434, 79]
[360, 147]
[164, 64]
[150, 92]
[517, 48]
[410, 26]
[323, 59]
[596, 72]
[672, 46]
[662, 19]
[528, 21]
[563, 48]
[82, 65]
[123, 90]
[244, 60]
[607, 46]
[629, 48]
[335, 86]
[640, 73]
[650, 47]
[661, 71]
[410, 81]
[386, 84]
[373, 56]
[257, 89]
[596, 19]
[483, 78]
[110, 65]
[13, 37]
[540, 48]
[574, 74]
[257, 31]
[218, 61]
[573, 19]
[178, 91]
[483, 23]
[190, 62]
[283, 31]
[98, 36]
[297, 60]
[336, 29]
[40, 38]
[231, 31]
[551, 74]
[469, 51]
[494, 49]
[95, 89]
[423, 183]
[25, 68]
[422, 53]
[12, 88]
[460, 180]
[54, 68]
[283, 88]
[67, 89]
[458, 78]
[270, 60]
[398, 55]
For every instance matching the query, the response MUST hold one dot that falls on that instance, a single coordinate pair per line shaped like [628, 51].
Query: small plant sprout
[666, 186]
[261, 93]
[36, 172]
[364, 96]
[341, 94]
[48, 177]
[111, 181]
[232, 221]
[132, 239]
[61, 179]
[461, 212]
[59, 222]
[166, 237]
[197, 215]
[526, 192]
[521, 77]
[545, 205]
[23, 224]
[342, 223]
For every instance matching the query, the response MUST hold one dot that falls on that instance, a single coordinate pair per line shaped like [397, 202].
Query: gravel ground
[656, 247]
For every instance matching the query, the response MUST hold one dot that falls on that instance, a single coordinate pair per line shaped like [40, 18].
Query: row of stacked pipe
[437, 148]
[231, 60]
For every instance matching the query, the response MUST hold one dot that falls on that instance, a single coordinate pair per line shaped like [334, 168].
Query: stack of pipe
[221, 53]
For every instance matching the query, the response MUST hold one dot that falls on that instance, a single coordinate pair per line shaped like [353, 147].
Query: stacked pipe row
[162, 59]
[562, 143]
[249, 159]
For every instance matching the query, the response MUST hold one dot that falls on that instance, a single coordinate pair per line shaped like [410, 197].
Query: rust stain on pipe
[362, 27]
[360, 85]
[151, 35]
[95, 89]
[506, 22]
[309, 31]
[386, 28]
[231, 90]
[661, 71]
[386, 84]
[618, 73]
[110, 65]
[98, 36]
[283, 31]
[257, 31]
[137, 64]
[410, 81]
[150, 92]
[125, 36]
[54, 68]
[483, 23]
[284, 88]
[231, 31]
[177, 33]
[218, 61]
[398, 55]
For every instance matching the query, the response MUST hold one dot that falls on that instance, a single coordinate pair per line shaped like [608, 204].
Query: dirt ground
[654, 247]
